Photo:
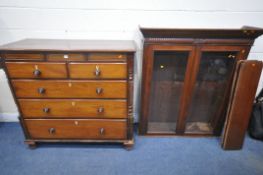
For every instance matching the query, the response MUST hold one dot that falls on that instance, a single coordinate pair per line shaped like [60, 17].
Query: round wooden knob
[46, 110]
[41, 90]
[52, 130]
[102, 131]
[100, 110]
[97, 71]
[99, 90]
[37, 73]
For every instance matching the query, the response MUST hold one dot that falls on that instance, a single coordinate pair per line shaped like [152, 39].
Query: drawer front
[36, 70]
[98, 70]
[73, 108]
[77, 129]
[107, 57]
[69, 89]
[23, 56]
[66, 57]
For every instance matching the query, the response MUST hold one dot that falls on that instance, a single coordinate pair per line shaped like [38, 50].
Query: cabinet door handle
[52, 130]
[97, 71]
[46, 110]
[37, 73]
[41, 90]
[102, 131]
[99, 90]
[100, 110]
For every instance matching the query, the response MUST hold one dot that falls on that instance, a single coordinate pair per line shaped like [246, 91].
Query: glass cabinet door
[168, 75]
[214, 73]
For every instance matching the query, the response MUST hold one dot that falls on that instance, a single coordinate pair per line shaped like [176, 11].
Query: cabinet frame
[147, 77]
[169, 40]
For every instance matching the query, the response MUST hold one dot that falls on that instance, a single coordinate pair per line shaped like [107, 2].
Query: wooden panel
[23, 56]
[241, 102]
[36, 70]
[69, 89]
[73, 108]
[77, 129]
[98, 70]
[66, 57]
[107, 57]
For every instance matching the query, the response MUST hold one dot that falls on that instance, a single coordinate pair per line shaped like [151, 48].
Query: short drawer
[98, 70]
[23, 56]
[75, 108]
[77, 129]
[66, 57]
[70, 89]
[36, 70]
[107, 57]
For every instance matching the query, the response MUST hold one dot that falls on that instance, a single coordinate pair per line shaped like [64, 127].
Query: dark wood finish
[185, 98]
[146, 84]
[245, 33]
[70, 89]
[74, 108]
[107, 57]
[66, 57]
[130, 118]
[36, 70]
[23, 56]
[241, 101]
[98, 70]
[31, 144]
[210, 88]
[1, 62]
[102, 104]
[76, 129]
[200, 113]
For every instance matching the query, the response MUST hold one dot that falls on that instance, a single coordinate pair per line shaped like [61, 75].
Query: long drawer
[75, 108]
[77, 129]
[69, 89]
[36, 70]
[98, 70]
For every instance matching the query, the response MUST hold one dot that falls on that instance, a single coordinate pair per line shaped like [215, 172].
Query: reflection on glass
[214, 72]
[166, 86]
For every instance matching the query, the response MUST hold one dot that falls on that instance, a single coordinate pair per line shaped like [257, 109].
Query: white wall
[117, 19]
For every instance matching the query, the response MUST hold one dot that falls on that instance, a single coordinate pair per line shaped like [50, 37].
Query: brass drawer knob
[99, 90]
[102, 131]
[52, 130]
[97, 71]
[37, 73]
[41, 90]
[46, 110]
[100, 110]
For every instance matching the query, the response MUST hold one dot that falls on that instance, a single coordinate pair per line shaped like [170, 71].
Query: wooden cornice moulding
[245, 32]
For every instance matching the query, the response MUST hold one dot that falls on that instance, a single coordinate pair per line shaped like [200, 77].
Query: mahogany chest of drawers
[72, 90]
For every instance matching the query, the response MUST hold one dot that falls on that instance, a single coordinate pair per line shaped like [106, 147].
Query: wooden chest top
[70, 45]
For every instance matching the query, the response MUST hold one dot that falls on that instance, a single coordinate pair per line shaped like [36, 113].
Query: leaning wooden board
[241, 101]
